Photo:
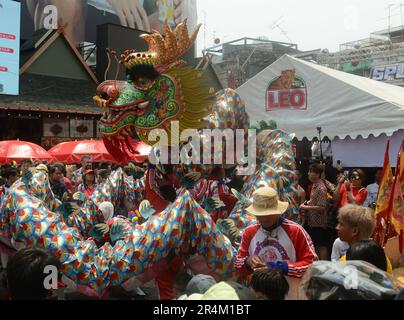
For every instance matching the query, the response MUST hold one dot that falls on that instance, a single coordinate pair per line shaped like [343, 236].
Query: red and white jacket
[289, 242]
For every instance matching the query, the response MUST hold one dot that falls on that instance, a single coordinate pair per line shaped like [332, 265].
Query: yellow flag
[383, 200]
[401, 160]
[397, 209]
[385, 187]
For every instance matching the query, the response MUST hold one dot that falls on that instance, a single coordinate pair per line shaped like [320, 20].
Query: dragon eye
[113, 93]
[143, 83]
[142, 76]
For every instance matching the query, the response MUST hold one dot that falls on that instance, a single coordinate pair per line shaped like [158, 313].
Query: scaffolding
[388, 53]
[385, 46]
[249, 42]
[244, 58]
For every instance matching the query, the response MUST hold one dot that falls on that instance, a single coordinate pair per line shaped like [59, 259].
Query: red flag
[397, 207]
[383, 200]
[400, 162]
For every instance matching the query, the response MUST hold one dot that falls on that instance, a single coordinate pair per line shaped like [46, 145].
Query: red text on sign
[7, 36]
[6, 50]
[289, 98]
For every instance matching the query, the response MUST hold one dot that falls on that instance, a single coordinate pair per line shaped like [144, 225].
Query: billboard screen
[81, 17]
[9, 46]
[120, 39]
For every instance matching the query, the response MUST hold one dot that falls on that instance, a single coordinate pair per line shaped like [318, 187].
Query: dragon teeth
[107, 117]
[143, 104]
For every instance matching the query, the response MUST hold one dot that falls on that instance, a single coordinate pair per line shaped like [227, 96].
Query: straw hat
[42, 167]
[266, 203]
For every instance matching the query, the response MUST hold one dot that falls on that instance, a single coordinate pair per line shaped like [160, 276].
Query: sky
[311, 24]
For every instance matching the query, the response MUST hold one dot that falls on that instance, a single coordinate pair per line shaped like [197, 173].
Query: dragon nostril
[104, 96]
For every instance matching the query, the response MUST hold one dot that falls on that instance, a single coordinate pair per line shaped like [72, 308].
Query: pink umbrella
[15, 150]
[72, 151]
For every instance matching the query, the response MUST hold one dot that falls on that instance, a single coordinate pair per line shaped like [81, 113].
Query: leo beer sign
[287, 92]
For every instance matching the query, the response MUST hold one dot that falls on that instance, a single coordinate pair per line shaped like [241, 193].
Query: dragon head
[158, 90]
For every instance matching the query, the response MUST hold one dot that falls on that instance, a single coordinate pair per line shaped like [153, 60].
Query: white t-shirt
[339, 249]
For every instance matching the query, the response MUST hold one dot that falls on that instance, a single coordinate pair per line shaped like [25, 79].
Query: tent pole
[320, 141]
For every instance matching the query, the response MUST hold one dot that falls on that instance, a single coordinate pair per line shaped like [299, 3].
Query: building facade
[56, 90]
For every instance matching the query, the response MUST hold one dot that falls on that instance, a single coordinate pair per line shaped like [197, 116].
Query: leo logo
[287, 92]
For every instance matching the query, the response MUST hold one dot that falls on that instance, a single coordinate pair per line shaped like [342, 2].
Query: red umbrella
[15, 150]
[72, 151]
[142, 151]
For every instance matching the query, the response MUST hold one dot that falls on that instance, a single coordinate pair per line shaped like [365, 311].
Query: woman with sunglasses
[351, 191]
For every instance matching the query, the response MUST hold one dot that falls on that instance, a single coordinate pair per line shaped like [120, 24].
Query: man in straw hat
[274, 242]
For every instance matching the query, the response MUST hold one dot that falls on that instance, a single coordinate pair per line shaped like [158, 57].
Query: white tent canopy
[342, 104]
[367, 152]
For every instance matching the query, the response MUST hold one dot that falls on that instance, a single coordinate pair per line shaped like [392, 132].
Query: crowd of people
[339, 222]
[66, 180]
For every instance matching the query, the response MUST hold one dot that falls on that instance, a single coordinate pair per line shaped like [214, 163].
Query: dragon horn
[109, 64]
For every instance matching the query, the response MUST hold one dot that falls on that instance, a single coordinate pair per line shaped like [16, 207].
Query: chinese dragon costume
[158, 90]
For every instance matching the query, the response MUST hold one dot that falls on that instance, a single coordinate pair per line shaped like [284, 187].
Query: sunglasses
[355, 177]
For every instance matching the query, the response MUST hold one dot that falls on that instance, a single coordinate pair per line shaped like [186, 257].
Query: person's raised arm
[337, 193]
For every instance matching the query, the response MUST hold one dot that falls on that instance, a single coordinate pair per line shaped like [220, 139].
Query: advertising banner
[10, 15]
[286, 91]
[80, 18]
[301, 96]
[393, 73]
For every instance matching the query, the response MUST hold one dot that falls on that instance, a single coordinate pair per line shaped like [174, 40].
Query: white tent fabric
[342, 104]
[366, 152]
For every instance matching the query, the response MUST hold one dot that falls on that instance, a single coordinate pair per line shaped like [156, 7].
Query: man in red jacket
[275, 242]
